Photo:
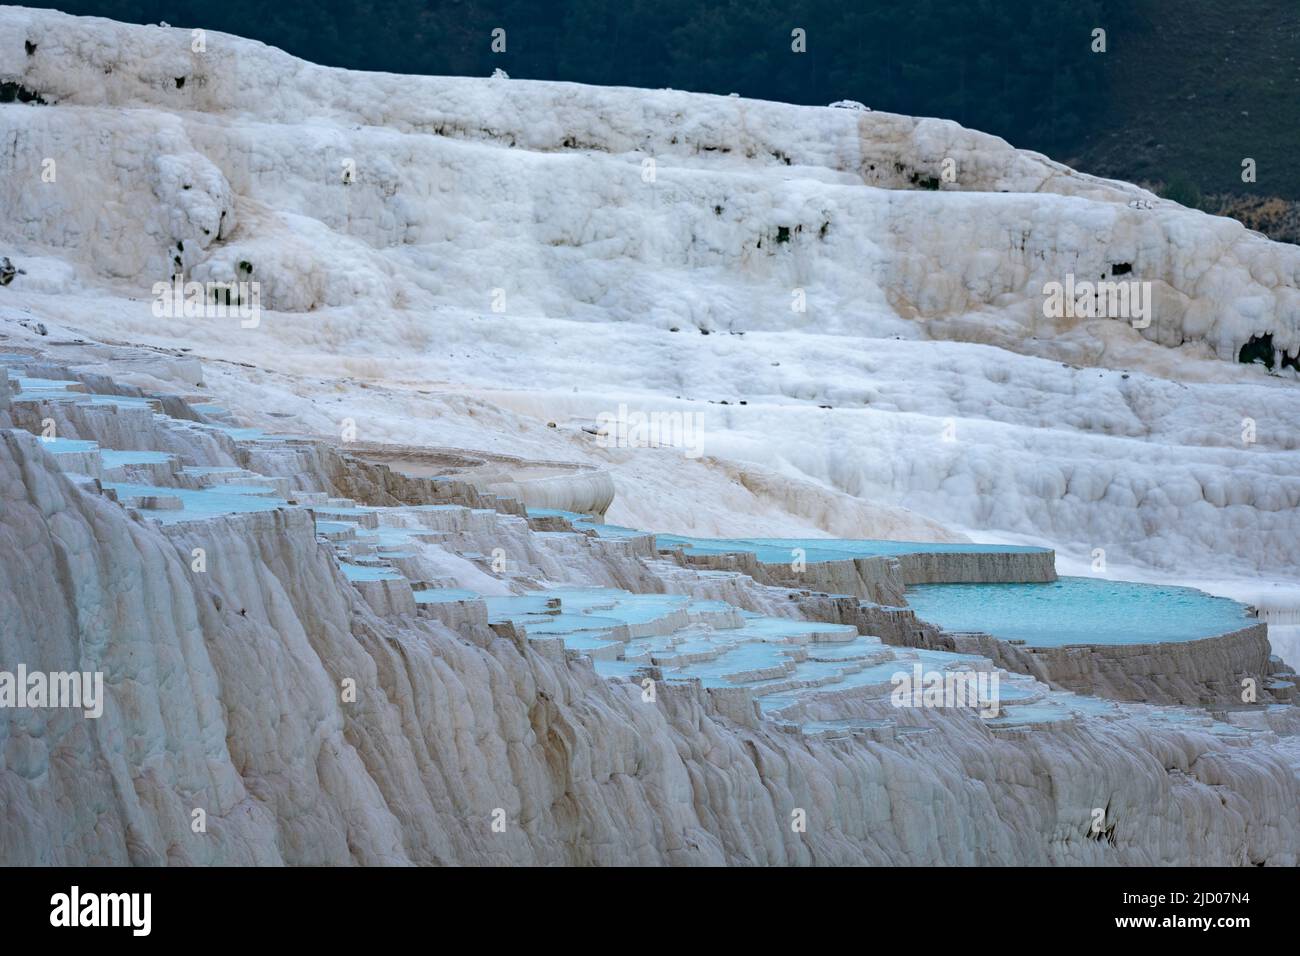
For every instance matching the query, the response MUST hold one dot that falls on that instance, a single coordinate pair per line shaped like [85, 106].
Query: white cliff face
[493, 256]
[400, 170]
[492, 265]
[223, 695]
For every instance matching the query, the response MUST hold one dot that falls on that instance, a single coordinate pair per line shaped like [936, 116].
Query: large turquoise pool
[1078, 611]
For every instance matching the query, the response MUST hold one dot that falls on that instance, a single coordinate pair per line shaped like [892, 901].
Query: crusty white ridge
[467, 194]
[424, 148]
[488, 266]
[223, 697]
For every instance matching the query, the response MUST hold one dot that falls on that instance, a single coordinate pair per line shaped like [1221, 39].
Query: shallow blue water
[122, 401]
[256, 491]
[816, 550]
[359, 572]
[781, 550]
[1078, 611]
[586, 523]
[334, 527]
[117, 458]
[41, 384]
[50, 395]
[518, 606]
[196, 504]
[211, 469]
[68, 446]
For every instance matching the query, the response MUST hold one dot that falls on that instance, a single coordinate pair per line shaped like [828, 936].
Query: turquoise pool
[816, 550]
[197, 504]
[781, 550]
[120, 458]
[1078, 611]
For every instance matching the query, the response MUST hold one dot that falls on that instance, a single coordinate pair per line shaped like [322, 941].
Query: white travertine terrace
[922, 395]
[223, 688]
[463, 187]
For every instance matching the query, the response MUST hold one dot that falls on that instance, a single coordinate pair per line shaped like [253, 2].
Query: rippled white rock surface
[465, 186]
[344, 683]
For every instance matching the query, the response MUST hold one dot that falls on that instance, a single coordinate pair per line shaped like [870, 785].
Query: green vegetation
[1199, 86]
[1182, 189]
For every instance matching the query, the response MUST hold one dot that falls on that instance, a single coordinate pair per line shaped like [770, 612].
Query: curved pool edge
[1202, 672]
